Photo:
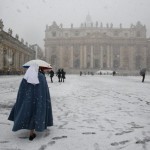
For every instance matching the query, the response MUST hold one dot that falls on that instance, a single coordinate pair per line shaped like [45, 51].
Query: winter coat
[32, 109]
[51, 73]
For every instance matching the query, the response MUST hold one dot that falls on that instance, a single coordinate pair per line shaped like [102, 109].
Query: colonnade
[106, 57]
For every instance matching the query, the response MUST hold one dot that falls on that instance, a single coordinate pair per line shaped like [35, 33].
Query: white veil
[31, 74]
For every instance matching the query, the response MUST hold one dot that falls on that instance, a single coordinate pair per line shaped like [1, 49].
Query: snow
[96, 112]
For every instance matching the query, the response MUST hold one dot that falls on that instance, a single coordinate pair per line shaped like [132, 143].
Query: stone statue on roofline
[1, 24]
[22, 41]
[17, 36]
[10, 31]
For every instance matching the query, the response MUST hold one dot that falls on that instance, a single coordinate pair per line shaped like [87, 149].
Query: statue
[96, 23]
[61, 25]
[101, 25]
[27, 44]
[71, 25]
[111, 25]
[120, 25]
[22, 41]
[46, 27]
[17, 36]
[10, 31]
[131, 26]
[1, 25]
[107, 25]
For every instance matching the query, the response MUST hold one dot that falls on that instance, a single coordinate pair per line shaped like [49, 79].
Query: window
[66, 34]
[76, 33]
[116, 33]
[138, 34]
[126, 34]
[54, 33]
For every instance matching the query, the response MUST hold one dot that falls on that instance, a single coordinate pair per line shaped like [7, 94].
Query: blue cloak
[32, 109]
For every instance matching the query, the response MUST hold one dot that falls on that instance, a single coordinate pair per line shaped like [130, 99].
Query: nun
[33, 109]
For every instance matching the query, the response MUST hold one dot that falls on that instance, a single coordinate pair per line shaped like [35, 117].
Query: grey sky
[29, 18]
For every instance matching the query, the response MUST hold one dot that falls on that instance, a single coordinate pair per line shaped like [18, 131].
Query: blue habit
[32, 109]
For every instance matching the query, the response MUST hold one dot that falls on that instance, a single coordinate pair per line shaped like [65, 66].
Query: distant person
[143, 73]
[58, 74]
[51, 73]
[114, 73]
[32, 110]
[63, 73]
[80, 73]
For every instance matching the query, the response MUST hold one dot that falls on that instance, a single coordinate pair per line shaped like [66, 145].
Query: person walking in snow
[32, 110]
[143, 73]
[58, 74]
[51, 75]
[63, 73]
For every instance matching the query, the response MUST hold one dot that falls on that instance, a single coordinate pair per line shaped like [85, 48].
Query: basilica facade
[92, 47]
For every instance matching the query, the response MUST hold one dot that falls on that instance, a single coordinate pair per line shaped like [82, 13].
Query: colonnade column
[111, 57]
[91, 62]
[85, 57]
[71, 60]
[16, 59]
[131, 58]
[144, 63]
[1, 56]
[121, 57]
[60, 57]
[108, 56]
[101, 56]
[81, 56]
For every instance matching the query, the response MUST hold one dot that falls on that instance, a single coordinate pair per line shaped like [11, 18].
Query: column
[121, 57]
[101, 57]
[111, 57]
[85, 57]
[132, 58]
[60, 57]
[108, 56]
[71, 57]
[144, 63]
[1, 56]
[16, 59]
[81, 57]
[91, 62]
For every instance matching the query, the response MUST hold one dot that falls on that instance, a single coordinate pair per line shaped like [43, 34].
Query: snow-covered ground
[90, 113]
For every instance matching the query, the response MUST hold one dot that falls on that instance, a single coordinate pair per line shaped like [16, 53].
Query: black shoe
[31, 137]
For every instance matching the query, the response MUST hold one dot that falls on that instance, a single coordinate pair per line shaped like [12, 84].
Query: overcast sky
[29, 18]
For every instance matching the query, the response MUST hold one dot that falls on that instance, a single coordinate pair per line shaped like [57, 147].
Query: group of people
[61, 74]
[89, 73]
